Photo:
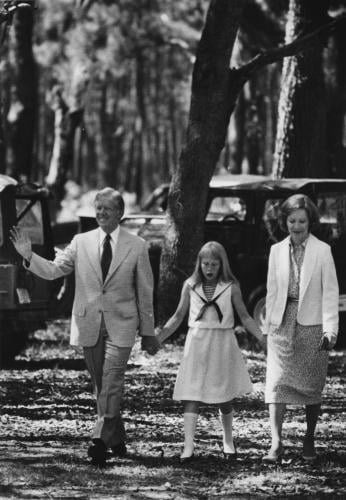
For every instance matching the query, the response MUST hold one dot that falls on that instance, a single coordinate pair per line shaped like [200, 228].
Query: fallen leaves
[48, 413]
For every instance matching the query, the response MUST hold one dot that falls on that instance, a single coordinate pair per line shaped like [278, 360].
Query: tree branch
[260, 27]
[291, 49]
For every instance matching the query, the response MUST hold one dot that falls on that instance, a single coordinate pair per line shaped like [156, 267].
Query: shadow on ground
[47, 416]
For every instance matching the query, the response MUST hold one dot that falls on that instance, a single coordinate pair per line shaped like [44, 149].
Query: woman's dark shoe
[274, 456]
[309, 452]
[98, 453]
[119, 450]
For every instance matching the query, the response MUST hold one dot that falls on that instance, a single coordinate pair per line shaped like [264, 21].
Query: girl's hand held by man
[162, 334]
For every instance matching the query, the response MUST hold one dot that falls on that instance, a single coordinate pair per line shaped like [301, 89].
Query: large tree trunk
[300, 149]
[336, 130]
[2, 142]
[22, 113]
[212, 102]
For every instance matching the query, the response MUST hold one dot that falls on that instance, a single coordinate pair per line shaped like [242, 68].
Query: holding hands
[162, 333]
[150, 344]
[21, 242]
[263, 343]
[325, 344]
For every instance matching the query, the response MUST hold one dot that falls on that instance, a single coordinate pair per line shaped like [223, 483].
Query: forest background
[104, 87]
[134, 93]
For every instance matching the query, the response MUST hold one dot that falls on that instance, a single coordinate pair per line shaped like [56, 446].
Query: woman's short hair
[296, 202]
[114, 196]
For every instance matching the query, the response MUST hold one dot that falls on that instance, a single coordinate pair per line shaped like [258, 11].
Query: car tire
[11, 343]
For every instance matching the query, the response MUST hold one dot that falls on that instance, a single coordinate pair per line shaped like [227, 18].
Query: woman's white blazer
[318, 290]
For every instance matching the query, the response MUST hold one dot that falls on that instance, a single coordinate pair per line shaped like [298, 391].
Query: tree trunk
[22, 113]
[65, 125]
[142, 122]
[300, 149]
[270, 118]
[2, 141]
[212, 101]
[336, 130]
[68, 117]
[106, 169]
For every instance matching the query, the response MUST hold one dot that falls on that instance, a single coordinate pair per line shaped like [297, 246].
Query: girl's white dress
[212, 369]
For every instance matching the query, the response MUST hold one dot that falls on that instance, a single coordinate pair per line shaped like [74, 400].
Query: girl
[212, 369]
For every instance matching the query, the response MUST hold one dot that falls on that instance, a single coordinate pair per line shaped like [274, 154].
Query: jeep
[26, 301]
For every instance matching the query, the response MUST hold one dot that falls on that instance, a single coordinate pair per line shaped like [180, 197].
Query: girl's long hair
[214, 250]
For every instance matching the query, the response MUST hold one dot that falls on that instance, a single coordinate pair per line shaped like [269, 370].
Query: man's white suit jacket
[124, 299]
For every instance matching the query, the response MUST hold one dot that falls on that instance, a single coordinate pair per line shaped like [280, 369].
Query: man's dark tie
[106, 258]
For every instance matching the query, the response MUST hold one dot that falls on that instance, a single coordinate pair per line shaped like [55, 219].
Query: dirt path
[47, 415]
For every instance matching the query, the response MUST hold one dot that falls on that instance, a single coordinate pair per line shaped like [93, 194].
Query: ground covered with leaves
[47, 414]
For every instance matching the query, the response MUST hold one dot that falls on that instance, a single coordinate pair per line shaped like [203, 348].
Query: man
[113, 299]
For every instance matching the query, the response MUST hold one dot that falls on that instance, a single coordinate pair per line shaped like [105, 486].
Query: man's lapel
[93, 253]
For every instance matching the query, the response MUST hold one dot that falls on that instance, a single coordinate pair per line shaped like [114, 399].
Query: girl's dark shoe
[98, 453]
[309, 452]
[186, 460]
[119, 450]
[229, 456]
[187, 454]
[274, 456]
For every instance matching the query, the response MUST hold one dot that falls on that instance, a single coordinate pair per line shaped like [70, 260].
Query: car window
[157, 201]
[227, 207]
[332, 209]
[30, 219]
[271, 219]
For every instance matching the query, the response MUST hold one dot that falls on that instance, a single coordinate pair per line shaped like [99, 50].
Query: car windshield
[271, 219]
[332, 208]
[29, 218]
[227, 208]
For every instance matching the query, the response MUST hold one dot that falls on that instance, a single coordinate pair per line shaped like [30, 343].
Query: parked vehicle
[241, 214]
[26, 301]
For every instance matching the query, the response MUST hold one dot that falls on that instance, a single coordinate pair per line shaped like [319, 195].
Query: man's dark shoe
[98, 453]
[119, 450]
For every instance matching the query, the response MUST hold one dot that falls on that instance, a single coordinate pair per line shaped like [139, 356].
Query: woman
[301, 321]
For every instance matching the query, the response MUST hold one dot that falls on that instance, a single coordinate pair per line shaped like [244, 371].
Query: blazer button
[103, 291]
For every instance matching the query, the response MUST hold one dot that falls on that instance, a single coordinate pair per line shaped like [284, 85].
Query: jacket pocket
[128, 313]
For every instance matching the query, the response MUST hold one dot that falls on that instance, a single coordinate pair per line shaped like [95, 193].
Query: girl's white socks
[227, 422]
[190, 421]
